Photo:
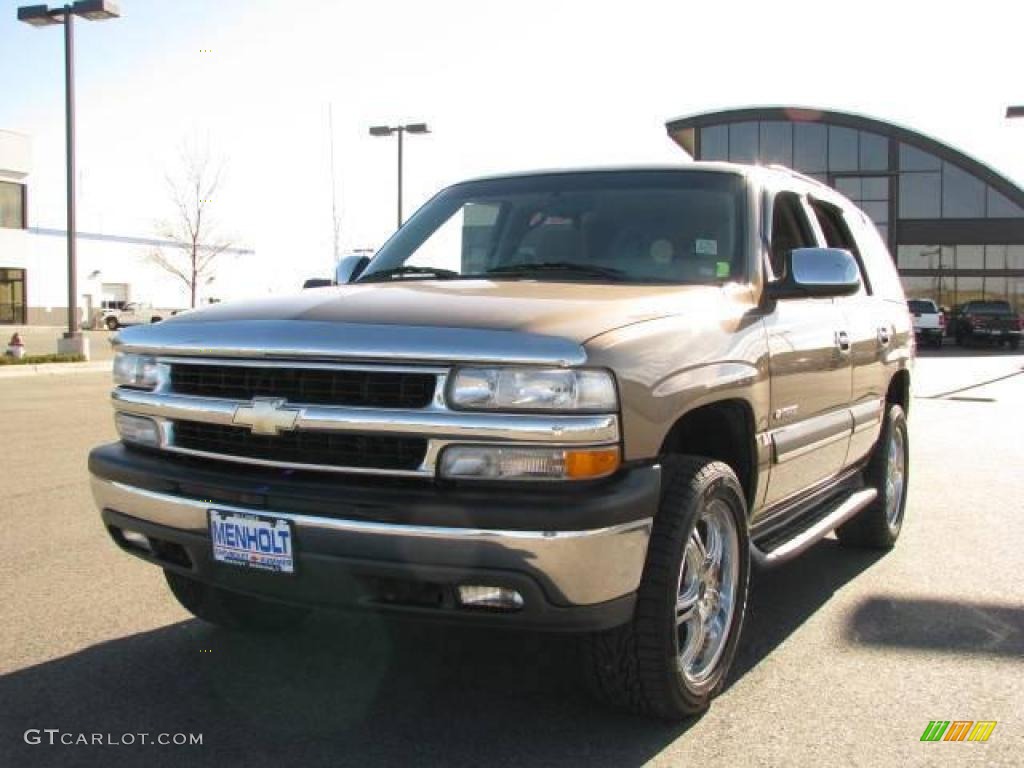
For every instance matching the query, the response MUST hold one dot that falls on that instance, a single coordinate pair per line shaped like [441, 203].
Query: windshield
[643, 226]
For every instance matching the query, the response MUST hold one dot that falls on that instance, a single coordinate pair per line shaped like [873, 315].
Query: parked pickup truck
[929, 321]
[133, 313]
[577, 401]
[991, 321]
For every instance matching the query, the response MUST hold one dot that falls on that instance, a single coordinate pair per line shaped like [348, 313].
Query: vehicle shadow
[783, 598]
[980, 349]
[363, 690]
[931, 626]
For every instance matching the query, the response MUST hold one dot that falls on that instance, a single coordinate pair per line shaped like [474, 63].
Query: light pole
[387, 130]
[42, 16]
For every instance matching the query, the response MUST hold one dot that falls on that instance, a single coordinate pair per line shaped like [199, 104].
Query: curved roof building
[954, 225]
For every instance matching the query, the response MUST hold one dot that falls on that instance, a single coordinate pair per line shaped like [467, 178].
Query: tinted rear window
[922, 307]
[989, 307]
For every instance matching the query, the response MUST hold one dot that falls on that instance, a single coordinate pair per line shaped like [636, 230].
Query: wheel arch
[722, 430]
[898, 392]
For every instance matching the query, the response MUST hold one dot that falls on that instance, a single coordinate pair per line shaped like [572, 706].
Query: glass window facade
[812, 148]
[932, 188]
[920, 195]
[895, 182]
[960, 273]
[871, 194]
[744, 142]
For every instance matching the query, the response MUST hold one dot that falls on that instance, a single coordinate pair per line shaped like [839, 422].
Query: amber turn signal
[583, 464]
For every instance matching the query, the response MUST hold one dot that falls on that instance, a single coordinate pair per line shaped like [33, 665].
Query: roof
[721, 167]
[849, 120]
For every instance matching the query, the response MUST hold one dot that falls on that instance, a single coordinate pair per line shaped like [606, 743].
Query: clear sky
[503, 86]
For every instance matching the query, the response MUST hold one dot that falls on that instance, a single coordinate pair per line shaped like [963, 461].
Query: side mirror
[317, 282]
[350, 267]
[817, 272]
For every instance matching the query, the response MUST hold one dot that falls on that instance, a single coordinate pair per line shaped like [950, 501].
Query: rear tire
[111, 323]
[672, 658]
[232, 610]
[888, 472]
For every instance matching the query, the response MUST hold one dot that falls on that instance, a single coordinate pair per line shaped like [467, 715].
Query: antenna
[336, 223]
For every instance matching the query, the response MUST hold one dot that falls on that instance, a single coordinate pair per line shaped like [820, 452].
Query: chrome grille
[340, 449]
[315, 386]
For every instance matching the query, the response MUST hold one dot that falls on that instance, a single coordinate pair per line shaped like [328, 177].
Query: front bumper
[571, 576]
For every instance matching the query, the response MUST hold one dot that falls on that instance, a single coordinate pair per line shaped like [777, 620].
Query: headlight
[531, 389]
[139, 371]
[484, 462]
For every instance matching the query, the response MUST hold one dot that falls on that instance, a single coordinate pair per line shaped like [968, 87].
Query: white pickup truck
[133, 313]
[929, 321]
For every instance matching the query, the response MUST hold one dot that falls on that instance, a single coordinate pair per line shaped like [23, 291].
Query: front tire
[111, 323]
[888, 472]
[231, 610]
[672, 659]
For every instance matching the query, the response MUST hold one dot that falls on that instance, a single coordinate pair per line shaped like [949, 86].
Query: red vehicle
[993, 321]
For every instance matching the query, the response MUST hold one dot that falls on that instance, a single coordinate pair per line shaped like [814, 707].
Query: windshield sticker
[722, 269]
[661, 251]
[706, 247]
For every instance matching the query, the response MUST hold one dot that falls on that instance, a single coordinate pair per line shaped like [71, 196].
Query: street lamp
[387, 130]
[42, 16]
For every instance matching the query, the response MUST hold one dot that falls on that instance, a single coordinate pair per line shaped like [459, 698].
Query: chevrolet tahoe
[582, 401]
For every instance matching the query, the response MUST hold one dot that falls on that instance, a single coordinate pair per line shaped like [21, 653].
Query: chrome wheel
[706, 595]
[895, 478]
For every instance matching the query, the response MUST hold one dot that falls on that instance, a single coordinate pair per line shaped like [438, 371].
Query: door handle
[843, 341]
[884, 337]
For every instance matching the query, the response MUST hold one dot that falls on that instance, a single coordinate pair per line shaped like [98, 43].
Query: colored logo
[958, 730]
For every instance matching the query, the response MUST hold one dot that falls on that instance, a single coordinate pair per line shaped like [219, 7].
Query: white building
[112, 268]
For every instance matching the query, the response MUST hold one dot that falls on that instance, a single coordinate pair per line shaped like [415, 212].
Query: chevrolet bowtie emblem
[266, 416]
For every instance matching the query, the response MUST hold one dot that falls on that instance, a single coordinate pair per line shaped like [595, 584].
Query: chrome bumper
[575, 568]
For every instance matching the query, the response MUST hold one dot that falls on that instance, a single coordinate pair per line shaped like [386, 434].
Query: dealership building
[954, 226]
[113, 268]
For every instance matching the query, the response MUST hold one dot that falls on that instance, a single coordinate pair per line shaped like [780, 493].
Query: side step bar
[839, 513]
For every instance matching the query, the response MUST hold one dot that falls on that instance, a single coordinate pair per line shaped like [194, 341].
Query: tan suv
[581, 401]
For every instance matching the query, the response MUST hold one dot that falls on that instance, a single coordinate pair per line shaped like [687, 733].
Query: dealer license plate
[252, 541]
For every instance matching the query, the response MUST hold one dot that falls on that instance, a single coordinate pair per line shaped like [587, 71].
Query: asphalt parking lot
[846, 656]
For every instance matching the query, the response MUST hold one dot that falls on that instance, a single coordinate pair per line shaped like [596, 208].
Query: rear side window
[838, 235]
[790, 230]
[885, 280]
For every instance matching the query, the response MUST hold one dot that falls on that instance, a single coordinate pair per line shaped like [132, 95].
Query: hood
[506, 320]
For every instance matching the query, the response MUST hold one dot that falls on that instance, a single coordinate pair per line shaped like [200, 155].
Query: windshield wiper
[407, 269]
[558, 266]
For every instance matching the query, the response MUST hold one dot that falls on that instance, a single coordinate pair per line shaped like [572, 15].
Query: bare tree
[195, 242]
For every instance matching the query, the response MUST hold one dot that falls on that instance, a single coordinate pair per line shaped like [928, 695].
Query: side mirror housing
[317, 282]
[350, 267]
[817, 272]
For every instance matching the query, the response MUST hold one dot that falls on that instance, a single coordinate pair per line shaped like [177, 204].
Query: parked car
[570, 401]
[133, 313]
[990, 321]
[929, 321]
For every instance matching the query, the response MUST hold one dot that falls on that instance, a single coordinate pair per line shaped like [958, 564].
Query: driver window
[790, 230]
